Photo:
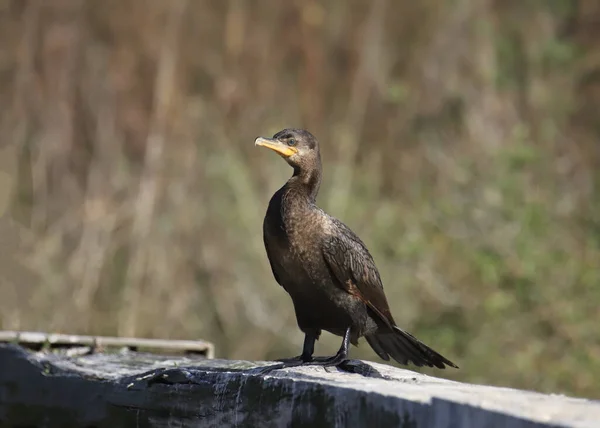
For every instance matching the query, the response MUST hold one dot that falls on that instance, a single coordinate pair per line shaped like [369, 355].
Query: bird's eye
[291, 142]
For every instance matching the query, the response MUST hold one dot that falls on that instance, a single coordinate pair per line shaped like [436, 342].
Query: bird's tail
[404, 348]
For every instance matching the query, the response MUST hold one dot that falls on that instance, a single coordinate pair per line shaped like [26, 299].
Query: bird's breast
[294, 238]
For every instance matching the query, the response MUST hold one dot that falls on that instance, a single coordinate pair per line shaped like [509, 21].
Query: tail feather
[404, 348]
[379, 350]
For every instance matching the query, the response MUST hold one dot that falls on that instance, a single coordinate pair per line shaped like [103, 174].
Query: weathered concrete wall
[131, 389]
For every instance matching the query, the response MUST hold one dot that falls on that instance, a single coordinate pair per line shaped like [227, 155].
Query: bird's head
[297, 146]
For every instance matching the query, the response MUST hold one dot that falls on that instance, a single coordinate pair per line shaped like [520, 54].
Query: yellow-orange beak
[277, 146]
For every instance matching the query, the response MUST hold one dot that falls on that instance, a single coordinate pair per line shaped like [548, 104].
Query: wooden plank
[38, 340]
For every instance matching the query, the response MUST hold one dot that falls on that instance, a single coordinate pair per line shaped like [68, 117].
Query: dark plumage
[327, 270]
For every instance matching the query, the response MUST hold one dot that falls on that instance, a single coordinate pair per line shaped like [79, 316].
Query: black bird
[326, 269]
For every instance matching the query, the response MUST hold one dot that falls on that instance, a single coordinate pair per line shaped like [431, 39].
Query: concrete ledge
[137, 389]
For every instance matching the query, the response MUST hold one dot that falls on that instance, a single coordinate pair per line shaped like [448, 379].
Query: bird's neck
[306, 182]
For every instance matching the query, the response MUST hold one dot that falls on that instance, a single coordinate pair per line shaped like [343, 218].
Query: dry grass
[459, 141]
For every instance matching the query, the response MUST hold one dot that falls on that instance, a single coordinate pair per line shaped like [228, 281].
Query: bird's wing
[354, 270]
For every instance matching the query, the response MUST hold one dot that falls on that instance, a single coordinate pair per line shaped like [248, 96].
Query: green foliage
[457, 140]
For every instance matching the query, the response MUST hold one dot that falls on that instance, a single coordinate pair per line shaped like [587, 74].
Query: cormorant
[326, 269]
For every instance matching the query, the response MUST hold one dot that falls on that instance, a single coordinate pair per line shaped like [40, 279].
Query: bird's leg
[340, 357]
[306, 359]
[308, 348]
[307, 351]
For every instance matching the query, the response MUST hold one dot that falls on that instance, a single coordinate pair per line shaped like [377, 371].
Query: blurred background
[459, 141]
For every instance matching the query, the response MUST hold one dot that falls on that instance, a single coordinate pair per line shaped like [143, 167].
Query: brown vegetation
[459, 141]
